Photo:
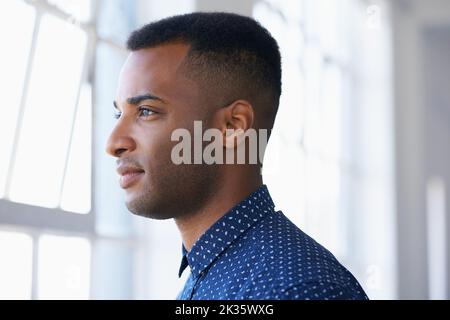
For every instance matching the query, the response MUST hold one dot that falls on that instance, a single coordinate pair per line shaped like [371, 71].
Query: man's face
[154, 98]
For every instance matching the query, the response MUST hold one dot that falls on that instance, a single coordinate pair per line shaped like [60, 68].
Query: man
[223, 70]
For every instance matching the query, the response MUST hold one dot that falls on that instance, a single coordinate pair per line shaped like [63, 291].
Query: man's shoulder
[276, 237]
[289, 264]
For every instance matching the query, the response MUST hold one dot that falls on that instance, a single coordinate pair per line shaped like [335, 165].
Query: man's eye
[145, 112]
[117, 115]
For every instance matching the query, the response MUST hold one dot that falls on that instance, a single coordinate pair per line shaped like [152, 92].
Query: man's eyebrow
[138, 99]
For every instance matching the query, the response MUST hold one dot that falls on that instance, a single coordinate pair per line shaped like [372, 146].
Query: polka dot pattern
[254, 252]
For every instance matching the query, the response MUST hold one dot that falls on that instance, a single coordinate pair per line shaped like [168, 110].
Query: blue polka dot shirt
[254, 252]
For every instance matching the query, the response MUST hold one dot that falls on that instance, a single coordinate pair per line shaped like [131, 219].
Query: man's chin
[146, 210]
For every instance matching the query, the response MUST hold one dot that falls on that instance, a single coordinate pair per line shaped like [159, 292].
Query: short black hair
[235, 56]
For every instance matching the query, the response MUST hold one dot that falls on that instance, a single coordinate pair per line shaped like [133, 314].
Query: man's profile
[223, 70]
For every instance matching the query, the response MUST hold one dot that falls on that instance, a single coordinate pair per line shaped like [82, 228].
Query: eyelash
[141, 109]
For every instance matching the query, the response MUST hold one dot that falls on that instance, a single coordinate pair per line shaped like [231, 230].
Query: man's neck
[229, 195]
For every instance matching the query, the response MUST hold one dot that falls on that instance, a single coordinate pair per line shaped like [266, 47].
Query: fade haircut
[230, 56]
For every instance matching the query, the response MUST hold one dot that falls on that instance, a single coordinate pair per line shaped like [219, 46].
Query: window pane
[16, 28]
[50, 103]
[64, 266]
[79, 9]
[15, 265]
[76, 195]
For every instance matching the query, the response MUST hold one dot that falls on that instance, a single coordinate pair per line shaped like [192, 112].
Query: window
[14, 63]
[41, 182]
[63, 267]
[16, 266]
[54, 52]
[51, 238]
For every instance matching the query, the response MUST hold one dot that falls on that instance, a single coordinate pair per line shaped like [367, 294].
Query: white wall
[415, 162]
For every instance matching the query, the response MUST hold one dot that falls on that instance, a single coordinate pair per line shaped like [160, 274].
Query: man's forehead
[156, 63]
[168, 55]
[155, 70]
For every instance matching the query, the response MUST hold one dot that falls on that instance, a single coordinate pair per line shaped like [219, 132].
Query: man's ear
[234, 120]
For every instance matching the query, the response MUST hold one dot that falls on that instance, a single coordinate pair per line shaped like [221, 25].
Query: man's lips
[129, 175]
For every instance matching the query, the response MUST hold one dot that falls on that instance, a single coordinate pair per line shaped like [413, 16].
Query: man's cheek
[160, 153]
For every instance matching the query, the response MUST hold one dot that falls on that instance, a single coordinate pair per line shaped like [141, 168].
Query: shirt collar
[226, 230]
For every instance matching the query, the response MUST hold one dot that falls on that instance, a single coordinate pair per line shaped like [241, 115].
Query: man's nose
[120, 141]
